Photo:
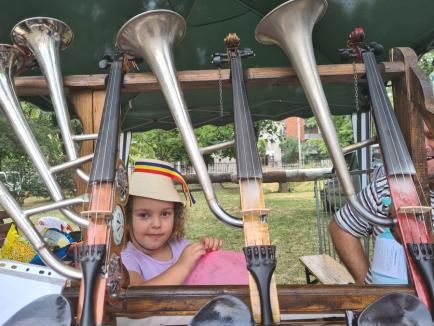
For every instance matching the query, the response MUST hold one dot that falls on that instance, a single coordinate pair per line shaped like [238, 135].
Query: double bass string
[238, 74]
[111, 95]
[397, 148]
[426, 199]
[380, 95]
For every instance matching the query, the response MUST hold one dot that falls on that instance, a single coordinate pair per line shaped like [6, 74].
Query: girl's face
[152, 224]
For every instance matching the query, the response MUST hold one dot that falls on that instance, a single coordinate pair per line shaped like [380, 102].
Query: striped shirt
[376, 198]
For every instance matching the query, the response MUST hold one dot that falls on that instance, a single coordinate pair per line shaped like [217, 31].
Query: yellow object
[16, 247]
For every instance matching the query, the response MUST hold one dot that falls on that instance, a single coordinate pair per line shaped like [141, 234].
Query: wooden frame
[413, 99]
[206, 79]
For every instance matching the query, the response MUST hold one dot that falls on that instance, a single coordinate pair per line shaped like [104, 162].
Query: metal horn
[290, 26]
[44, 37]
[152, 35]
[12, 58]
[20, 217]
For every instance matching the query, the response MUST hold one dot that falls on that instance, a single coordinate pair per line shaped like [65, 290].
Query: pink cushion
[219, 268]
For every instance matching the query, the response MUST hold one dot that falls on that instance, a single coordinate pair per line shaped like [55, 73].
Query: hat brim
[153, 186]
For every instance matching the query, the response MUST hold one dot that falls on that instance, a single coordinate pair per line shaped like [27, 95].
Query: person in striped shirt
[388, 265]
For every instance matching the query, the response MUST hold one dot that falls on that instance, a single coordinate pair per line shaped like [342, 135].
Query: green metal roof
[96, 23]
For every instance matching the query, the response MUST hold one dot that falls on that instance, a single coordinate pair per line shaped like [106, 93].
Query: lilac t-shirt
[148, 267]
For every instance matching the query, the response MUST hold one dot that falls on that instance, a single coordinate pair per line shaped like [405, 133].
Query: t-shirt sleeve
[178, 247]
[370, 197]
[130, 262]
[182, 244]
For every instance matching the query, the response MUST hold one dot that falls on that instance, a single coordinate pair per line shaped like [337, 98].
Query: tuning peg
[219, 58]
[105, 61]
[346, 54]
[247, 53]
[376, 48]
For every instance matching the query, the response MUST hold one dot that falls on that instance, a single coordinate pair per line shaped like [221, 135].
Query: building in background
[295, 127]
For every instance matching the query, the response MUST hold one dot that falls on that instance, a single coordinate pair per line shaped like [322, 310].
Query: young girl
[156, 253]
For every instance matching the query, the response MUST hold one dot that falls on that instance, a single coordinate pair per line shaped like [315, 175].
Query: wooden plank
[139, 302]
[206, 79]
[327, 270]
[329, 74]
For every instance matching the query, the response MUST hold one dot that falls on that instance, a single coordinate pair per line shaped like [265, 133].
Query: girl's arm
[177, 273]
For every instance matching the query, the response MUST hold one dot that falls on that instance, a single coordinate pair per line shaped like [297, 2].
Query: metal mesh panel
[329, 198]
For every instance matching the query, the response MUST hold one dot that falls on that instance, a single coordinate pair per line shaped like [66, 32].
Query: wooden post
[283, 187]
[409, 115]
[88, 105]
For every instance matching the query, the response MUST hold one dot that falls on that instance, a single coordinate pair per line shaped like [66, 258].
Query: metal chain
[220, 92]
[356, 88]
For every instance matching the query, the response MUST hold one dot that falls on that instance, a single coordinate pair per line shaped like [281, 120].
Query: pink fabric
[219, 268]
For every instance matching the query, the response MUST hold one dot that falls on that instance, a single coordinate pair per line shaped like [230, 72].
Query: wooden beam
[293, 175]
[88, 106]
[330, 74]
[82, 102]
[207, 79]
[139, 302]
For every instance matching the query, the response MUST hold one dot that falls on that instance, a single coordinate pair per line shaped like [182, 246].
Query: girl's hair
[178, 223]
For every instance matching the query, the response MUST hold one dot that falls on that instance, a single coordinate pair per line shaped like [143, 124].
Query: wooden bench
[326, 270]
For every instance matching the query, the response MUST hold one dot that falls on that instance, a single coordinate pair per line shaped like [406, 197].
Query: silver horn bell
[290, 26]
[43, 37]
[152, 35]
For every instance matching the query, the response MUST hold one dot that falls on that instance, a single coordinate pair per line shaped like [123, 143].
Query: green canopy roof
[96, 23]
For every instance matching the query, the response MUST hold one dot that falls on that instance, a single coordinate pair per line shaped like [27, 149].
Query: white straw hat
[154, 179]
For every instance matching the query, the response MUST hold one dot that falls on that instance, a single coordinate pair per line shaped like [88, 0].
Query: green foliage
[310, 122]
[289, 147]
[269, 130]
[292, 223]
[211, 135]
[167, 145]
[344, 129]
[262, 145]
[28, 183]
[426, 62]
[14, 159]
[316, 148]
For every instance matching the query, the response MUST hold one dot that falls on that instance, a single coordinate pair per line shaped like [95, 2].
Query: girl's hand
[212, 244]
[191, 254]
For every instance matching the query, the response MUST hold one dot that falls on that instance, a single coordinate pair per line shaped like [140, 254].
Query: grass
[292, 222]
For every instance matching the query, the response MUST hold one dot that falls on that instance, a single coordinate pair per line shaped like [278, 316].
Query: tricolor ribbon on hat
[168, 171]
